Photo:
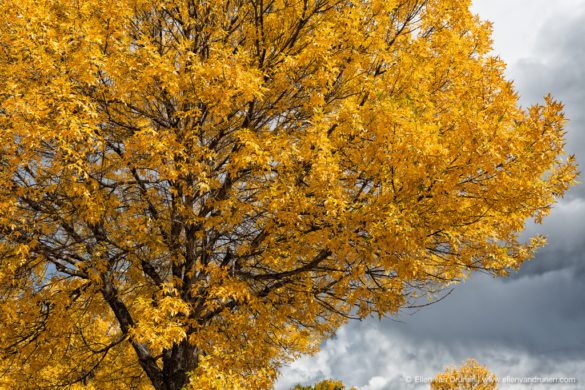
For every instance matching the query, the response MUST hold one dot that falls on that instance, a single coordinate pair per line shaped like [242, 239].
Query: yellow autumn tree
[470, 376]
[194, 192]
[327, 384]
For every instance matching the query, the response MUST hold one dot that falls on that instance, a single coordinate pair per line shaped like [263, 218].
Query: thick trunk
[178, 362]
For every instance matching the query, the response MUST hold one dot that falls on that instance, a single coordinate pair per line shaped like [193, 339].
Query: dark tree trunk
[177, 363]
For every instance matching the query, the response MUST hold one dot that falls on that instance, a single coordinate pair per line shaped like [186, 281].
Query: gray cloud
[565, 232]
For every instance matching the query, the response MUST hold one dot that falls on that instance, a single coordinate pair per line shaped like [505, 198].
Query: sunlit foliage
[470, 376]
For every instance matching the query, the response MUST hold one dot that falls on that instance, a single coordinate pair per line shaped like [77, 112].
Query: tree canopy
[327, 384]
[470, 376]
[194, 192]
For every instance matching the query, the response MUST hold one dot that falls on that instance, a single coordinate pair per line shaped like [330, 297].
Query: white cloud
[377, 383]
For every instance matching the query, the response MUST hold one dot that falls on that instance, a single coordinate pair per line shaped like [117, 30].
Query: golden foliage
[471, 376]
[327, 384]
[207, 189]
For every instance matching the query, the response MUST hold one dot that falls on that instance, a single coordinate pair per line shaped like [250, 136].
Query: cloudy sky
[531, 324]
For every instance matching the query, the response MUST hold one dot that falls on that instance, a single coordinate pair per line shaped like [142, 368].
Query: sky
[531, 324]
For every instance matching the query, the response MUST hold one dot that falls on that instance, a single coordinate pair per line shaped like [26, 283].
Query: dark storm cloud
[531, 324]
[516, 314]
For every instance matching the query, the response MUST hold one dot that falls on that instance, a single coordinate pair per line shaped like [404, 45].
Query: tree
[471, 376]
[327, 384]
[198, 190]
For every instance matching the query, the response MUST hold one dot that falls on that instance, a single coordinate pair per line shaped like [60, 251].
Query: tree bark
[177, 363]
